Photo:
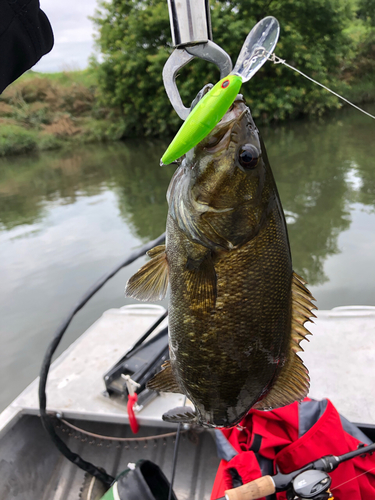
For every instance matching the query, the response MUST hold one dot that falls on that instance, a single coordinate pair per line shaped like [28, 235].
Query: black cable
[45, 418]
[140, 341]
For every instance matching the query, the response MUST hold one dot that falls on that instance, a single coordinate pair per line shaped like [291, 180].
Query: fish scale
[239, 319]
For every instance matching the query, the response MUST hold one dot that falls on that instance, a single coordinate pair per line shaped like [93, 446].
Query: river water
[68, 217]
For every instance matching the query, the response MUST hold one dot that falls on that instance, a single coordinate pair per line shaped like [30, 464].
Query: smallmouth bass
[236, 309]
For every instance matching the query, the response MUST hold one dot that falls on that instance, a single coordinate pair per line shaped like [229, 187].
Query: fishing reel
[310, 484]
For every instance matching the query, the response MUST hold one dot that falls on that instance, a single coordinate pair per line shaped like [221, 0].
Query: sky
[73, 33]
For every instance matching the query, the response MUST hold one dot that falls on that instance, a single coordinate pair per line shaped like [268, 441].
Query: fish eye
[248, 157]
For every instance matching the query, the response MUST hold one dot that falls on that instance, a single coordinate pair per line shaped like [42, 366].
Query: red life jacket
[290, 438]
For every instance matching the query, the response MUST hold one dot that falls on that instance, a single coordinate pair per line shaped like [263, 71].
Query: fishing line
[352, 479]
[277, 60]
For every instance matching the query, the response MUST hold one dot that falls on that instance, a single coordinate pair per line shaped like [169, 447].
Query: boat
[32, 467]
[96, 426]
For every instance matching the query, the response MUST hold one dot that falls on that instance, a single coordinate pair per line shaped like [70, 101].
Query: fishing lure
[259, 44]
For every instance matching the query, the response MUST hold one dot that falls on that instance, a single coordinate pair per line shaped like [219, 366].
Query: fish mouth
[223, 134]
[237, 111]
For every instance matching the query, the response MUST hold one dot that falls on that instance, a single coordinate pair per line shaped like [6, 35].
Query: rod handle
[251, 491]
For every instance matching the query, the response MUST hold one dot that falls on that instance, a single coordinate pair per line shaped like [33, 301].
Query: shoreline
[42, 112]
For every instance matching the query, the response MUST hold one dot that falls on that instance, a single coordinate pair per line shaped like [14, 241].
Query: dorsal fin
[293, 382]
[151, 281]
[301, 311]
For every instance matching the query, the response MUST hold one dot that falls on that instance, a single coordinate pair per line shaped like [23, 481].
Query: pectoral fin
[151, 281]
[165, 380]
[293, 382]
[201, 283]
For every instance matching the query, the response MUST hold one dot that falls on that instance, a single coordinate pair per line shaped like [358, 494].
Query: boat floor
[31, 468]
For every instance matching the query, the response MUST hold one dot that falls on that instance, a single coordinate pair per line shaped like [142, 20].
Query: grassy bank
[49, 111]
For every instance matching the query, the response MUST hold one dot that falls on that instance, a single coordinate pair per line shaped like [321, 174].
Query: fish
[237, 311]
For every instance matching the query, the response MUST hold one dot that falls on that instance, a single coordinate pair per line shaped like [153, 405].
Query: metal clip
[208, 51]
[131, 385]
[192, 37]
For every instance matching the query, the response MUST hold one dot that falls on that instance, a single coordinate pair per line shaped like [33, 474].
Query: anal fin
[165, 380]
[293, 381]
[151, 281]
[180, 415]
[291, 385]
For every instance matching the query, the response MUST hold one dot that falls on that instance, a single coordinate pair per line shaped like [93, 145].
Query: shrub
[49, 141]
[15, 140]
[5, 109]
[42, 92]
[63, 126]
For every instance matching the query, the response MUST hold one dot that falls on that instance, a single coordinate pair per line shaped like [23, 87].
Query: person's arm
[25, 36]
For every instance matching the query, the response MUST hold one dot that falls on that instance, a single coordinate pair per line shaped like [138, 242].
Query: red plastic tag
[132, 419]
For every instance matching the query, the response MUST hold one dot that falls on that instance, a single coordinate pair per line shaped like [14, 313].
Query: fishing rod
[309, 482]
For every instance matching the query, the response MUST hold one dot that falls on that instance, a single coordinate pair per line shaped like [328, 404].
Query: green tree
[364, 61]
[366, 11]
[134, 38]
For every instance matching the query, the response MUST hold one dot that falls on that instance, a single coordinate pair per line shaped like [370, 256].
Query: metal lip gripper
[192, 37]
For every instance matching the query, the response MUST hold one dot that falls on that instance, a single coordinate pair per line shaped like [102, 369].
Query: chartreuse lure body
[204, 116]
[258, 45]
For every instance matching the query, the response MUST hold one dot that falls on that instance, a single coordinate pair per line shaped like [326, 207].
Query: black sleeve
[25, 36]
